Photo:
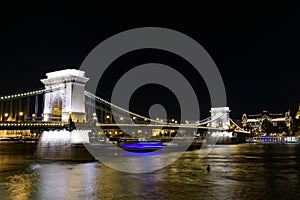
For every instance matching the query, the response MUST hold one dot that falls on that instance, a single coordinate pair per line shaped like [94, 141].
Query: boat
[140, 145]
[274, 140]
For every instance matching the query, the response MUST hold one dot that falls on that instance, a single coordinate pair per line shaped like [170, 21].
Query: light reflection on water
[243, 171]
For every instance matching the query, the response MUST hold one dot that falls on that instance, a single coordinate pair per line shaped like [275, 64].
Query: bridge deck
[59, 125]
[30, 125]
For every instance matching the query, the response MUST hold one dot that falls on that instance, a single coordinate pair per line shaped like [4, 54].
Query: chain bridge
[64, 103]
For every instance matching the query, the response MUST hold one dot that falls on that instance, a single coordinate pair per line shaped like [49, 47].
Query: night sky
[256, 47]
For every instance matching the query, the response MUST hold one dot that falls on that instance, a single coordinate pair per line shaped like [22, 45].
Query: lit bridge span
[64, 103]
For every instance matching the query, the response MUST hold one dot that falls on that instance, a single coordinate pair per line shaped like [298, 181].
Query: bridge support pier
[221, 123]
[64, 145]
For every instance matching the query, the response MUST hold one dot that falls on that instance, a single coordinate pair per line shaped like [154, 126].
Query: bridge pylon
[221, 114]
[69, 100]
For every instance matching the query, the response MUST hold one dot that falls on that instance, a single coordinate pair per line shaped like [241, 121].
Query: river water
[244, 171]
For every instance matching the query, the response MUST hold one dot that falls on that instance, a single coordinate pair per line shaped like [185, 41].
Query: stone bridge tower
[66, 96]
[222, 113]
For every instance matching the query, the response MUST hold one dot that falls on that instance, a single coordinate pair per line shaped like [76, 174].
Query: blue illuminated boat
[137, 145]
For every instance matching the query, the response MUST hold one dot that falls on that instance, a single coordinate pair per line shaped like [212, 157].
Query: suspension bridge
[51, 114]
[64, 98]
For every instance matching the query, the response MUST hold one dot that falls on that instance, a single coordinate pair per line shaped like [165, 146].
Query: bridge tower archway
[57, 108]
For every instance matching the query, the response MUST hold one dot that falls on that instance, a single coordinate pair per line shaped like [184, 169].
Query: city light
[33, 117]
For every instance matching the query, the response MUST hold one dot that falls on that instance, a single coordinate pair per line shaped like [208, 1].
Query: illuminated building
[254, 121]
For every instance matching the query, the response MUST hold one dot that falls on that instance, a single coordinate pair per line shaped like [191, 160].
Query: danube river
[244, 171]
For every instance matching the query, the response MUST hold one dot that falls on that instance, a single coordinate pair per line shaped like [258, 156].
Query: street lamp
[33, 117]
[95, 117]
[5, 116]
[21, 115]
[71, 123]
[107, 118]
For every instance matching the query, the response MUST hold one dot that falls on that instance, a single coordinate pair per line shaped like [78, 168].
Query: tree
[267, 126]
[282, 127]
[295, 126]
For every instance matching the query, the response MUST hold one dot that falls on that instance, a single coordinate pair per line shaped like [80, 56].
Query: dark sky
[256, 47]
